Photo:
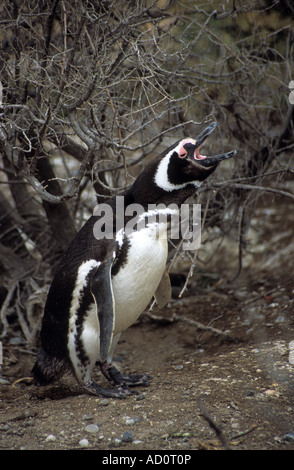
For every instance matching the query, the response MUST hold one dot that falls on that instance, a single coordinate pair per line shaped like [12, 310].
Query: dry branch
[174, 318]
[110, 85]
[218, 431]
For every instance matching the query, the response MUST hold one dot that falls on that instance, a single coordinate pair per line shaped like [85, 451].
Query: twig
[243, 433]
[23, 324]
[73, 186]
[22, 379]
[213, 425]
[280, 192]
[179, 318]
[41, 191]
[4, 309]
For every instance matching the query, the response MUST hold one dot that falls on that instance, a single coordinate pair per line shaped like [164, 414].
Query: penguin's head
[182, 164]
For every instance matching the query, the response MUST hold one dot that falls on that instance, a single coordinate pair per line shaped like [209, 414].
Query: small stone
[178, 367]
[84, 442]
[50, 438]
[271, 393]
[281, 319]
[137, 442]
[141, 396]
[289, 437]
[29, 422]
[92, 428]
[130, 421]
[103, 402]
[240, 294]
[4, 381]
[87, 417]
[4, 427]
[16, 341]
[127, 437]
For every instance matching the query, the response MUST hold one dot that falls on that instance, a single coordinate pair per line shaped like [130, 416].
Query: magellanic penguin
[103, 284]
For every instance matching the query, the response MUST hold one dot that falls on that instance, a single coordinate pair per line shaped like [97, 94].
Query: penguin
[106, 280]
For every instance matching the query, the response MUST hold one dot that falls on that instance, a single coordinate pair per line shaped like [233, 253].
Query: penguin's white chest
[136, 282]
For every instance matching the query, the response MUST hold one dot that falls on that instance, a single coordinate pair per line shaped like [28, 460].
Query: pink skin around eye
[183, 152]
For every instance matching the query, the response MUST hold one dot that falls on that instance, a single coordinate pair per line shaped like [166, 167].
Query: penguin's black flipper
[101, 289]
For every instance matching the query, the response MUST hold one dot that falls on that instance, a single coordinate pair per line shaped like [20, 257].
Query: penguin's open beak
[214, 159]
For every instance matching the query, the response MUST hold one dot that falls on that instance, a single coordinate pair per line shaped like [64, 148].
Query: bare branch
[213, 425]
[97, 89]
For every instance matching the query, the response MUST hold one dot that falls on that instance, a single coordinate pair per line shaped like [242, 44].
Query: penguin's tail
[47, 369]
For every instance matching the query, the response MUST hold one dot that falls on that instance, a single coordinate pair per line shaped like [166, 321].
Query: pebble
[127, 437]
[281, 319]
[271, 393]
[115, 443]
[141, 396]
[130, 421]
[4, 381]
[50, 438]
[289, 437]
[254, 314]
[4, 427]
[87, 417]
[92, 428]
[103, 402]
[16, 341]
[84, 442]
[240, 294]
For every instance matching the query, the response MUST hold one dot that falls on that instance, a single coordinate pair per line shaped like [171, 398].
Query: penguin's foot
[118, 392]
[116, 378]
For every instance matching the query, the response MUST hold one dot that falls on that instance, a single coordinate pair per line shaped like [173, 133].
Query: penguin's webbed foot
[95, 389]
[116, 378]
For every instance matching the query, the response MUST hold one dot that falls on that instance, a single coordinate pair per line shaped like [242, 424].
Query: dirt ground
[241, 373]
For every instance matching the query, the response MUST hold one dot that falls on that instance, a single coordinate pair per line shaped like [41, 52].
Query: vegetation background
[90, 91]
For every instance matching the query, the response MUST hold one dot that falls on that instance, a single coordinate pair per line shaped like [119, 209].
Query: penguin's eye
[183, 154]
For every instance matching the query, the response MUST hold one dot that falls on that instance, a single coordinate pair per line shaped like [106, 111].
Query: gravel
[127, 437]
[92, 428]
